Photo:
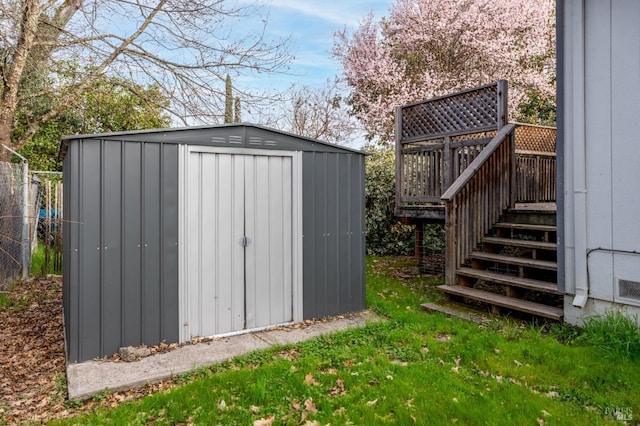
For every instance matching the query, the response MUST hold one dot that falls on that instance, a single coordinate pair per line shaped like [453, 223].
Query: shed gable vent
[224, 140]
[255, 140]
[629, 289]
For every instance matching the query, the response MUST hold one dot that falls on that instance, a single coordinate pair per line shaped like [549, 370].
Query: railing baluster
[477, 198]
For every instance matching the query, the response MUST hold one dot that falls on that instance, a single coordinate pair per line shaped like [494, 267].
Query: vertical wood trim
[399, 160]
[450, 246]
[418, 242]
[448, 169]
[503, 104]
[512, 165]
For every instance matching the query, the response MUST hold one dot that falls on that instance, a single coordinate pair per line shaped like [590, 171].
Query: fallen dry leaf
[338, 389]
[372, 402]
[222, 405]
[296, 405]
[309, 380]
[443, 337]
[32, 360]
[264, 422]
[309, 405]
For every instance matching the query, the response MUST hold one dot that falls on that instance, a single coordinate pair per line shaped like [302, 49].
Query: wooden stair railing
[475, 201]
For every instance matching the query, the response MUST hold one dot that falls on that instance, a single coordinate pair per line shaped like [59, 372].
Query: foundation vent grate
[629, 289]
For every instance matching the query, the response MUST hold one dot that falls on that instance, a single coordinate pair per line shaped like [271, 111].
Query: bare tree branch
[185, 47]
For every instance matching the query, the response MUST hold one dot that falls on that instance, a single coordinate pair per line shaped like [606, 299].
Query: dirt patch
[32, 361]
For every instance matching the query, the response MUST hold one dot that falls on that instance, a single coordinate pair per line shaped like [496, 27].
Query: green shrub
[385, 233]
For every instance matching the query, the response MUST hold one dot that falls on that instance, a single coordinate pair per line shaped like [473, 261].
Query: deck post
[419, 234]
[399, 159]
[537, 178]
[512, 177]
[450, 246]
[503, 104]
[448, 165]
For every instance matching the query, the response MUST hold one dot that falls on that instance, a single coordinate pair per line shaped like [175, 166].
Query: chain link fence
[39, 249]
[11, 222]
[47, 230]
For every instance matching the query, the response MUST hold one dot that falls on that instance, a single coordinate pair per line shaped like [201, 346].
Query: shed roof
[236, 135]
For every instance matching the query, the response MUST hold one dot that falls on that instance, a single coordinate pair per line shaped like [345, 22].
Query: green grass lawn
[38, 257]
[413, 368]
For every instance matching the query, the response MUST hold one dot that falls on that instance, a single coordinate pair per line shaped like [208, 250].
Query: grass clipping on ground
[414, 368]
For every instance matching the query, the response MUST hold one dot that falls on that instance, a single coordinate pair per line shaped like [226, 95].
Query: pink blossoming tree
[428, 48]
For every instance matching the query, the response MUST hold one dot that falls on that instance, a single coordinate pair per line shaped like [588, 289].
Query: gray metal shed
[175, 233]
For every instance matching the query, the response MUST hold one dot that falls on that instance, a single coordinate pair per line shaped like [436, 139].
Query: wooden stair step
[530, 216]
[504, 301]
[517, 261]
[498, 278]
[542, 208]
[526, 226]
[520, 243]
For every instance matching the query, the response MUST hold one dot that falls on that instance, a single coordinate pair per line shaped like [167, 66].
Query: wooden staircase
[459, 151]
[514, 267]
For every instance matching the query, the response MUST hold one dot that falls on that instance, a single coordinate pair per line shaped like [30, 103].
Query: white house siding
[602, 153]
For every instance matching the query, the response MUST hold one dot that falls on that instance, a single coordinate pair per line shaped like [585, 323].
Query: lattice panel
[465, 111]
[471, 136]
[535, 138]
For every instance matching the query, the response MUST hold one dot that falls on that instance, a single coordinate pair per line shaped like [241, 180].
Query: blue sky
[310, 24]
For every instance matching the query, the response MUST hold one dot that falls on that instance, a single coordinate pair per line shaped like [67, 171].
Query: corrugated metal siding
[121, 238]
[231, 136]
[215, 259]
[333, 228]
[268, 221]
[120, 280]
[229, 287]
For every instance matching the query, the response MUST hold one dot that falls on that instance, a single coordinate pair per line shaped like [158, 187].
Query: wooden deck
[437, 140]
[425, 212]
[494, 186]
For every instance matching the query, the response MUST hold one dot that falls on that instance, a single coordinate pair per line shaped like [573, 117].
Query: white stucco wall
[602, 150]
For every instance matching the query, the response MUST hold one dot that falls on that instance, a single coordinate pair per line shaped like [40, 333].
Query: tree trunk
[5, 135]
[28, 30]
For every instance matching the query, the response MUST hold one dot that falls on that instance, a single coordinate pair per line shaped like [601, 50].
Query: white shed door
[239, 255]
